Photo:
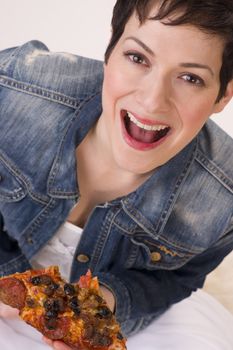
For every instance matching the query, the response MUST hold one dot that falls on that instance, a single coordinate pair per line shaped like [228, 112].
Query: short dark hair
[210, 16]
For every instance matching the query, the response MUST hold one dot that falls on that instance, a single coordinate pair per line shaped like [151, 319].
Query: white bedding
[197, 323]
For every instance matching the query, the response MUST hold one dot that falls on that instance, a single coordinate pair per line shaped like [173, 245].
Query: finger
[47, 341]
[58, 345]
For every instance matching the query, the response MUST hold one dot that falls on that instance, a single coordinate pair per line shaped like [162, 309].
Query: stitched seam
[35, 90]
[169, 205]
[57, 161]
[15, 263]
[104, 234]
[15, 172]
[214, 170]
[8, 59]
[28, 232]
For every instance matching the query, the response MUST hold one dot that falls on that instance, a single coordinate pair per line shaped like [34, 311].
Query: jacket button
[82, 258]
[30, 240]
[155, 256]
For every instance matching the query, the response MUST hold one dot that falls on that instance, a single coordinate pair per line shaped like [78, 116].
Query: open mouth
[147, 134]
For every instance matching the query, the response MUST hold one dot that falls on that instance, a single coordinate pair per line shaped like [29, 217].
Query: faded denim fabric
[152, 247]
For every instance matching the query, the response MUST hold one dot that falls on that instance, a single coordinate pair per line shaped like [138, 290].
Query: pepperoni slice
[55, 328]
[12, 292]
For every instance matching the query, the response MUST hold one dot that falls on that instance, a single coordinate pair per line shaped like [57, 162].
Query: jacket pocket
[12, 188]
[152, 254]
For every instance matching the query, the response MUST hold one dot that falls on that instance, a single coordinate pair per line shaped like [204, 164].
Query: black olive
[51, 323]
[45, 279]
[74, 305]
[48, 291]
[30, 302]
[54, 304]
[120, 336]
[53, 286]
[73, 302]
[41, 279]
[105, 341]
[77, 311]
[104, 312]
[69, 289]
[51, 314]
[36, 280]
[101, 340]
[48, 304]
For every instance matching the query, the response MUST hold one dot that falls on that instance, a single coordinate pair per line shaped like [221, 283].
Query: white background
[77, 26]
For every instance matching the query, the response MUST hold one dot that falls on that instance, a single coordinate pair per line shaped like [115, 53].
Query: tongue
[141, 135]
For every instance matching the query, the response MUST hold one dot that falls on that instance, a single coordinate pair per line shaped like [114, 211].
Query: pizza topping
[55, 329]
[74, 305]
[50, 323]
[30, 302]
[41, 279]
[69, 289]
[12, 292]
[59, 305]
[45, 280]
[51, 314]
[96, 338]
[101, 340]
[48, 304]
[88, 331]
[74, 313]
[50, 289]
[119, 336]
[104, 312]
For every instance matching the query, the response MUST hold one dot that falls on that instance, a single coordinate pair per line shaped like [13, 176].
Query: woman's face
[160, 86]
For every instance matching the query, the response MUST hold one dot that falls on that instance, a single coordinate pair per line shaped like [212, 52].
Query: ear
[220, 105]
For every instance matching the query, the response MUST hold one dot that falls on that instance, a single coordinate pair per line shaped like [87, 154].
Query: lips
[142, 134]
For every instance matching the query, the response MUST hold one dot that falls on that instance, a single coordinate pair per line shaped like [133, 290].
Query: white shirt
[59, 250]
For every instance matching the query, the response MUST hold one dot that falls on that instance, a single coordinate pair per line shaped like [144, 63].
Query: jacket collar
[150, 205]
[62, 181]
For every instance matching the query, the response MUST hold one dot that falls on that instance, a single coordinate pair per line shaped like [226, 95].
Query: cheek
[115, 83]
[197, 112]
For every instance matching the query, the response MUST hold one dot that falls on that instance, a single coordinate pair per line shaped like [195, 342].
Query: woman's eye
[136, 58]
[193, 79]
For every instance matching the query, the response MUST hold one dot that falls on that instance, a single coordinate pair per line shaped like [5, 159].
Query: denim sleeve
[143, 295]
[6, 55]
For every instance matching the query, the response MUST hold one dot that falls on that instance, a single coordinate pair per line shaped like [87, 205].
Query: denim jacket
[152, 247]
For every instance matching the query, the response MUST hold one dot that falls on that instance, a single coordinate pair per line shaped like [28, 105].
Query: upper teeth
[145, 126]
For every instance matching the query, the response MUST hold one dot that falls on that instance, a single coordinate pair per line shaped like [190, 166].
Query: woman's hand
[56, 344]
[7, 311]
[108, 297]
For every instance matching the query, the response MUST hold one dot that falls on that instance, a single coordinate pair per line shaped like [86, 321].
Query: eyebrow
[139, 42]
[184, 64]
[197, 65]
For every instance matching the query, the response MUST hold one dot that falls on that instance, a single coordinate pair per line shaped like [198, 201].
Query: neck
[98, 175]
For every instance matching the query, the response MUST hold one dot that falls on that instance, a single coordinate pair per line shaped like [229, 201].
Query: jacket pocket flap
[12, 188]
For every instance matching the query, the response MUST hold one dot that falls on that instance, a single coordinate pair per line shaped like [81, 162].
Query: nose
[154, 94]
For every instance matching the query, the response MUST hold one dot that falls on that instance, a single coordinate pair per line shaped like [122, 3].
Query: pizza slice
[74, 313]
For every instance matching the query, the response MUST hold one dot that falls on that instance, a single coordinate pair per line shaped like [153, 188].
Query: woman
[133, 160]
